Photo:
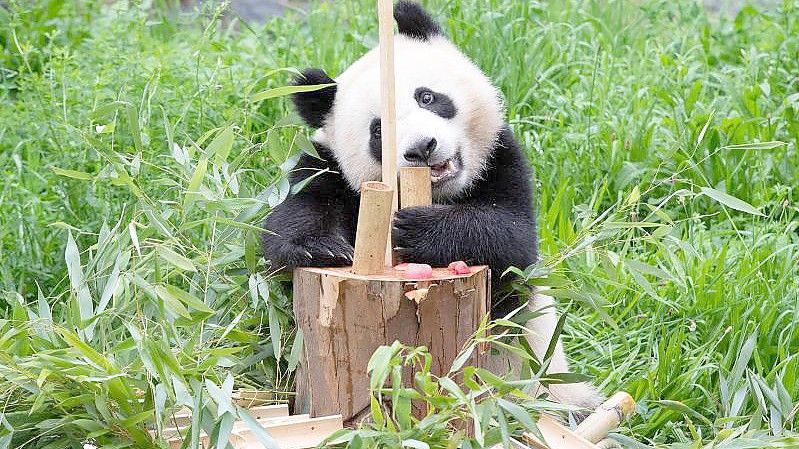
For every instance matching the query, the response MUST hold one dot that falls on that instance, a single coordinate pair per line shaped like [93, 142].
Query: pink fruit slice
[419, 271]
[459, 267]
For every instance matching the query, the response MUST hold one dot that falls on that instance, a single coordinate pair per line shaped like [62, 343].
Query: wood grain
[388, 109]
[415, 187]
[374, 221]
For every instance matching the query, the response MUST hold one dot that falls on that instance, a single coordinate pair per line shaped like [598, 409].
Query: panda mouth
[444, 171]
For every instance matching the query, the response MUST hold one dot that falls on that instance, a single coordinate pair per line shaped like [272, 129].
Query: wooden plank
[176, 432]
[183, 417]
[291, 432]
[556, 436]
[303, 434]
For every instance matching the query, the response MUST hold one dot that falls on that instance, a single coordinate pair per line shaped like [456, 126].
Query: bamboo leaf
[286, 90]
[220, 147]
[225, 429]
[275, 331]
[107, 108]
[176, 259]
[132, 114]
[731, 201]
[72, 174]
[770, 145]
[189, 300]
[260, 433]
[171, 302]
[521, 415]
[76, 281]
[450, 385]
[296, 350]
[194, 185]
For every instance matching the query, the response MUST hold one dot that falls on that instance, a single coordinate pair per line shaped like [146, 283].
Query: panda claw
[309, 255]
[331, 253]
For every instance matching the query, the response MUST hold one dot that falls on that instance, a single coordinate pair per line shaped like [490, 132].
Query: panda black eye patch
[375, 129]
[435, 102]
[375, 140]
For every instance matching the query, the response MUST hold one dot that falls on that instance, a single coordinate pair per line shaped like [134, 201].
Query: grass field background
[141, 146]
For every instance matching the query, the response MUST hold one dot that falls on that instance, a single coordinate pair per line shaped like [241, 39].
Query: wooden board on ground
[290, 432]
[345, 317]
[556, 436]
[183, 417]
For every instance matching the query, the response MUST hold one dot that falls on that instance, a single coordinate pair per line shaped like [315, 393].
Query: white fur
[540, 331]
[435, 64]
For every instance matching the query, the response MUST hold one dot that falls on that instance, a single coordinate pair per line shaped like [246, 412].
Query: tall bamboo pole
[388, 111]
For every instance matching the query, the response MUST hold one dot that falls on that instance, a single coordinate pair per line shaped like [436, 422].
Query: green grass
[137, 168]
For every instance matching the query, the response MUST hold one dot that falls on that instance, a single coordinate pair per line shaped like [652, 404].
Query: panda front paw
[325, 251]
[417, 236]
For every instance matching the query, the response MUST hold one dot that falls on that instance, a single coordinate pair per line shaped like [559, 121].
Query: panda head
[448, 112]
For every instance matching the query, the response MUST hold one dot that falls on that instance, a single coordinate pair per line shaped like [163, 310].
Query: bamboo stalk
[594, 429]
[374, 220]
[415, 187]
[388, 111]
[606, 417]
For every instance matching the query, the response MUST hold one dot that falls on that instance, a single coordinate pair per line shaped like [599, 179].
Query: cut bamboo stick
[374, 220]
[388, 111]
[606, 417]
[591, 431]
[415, 187]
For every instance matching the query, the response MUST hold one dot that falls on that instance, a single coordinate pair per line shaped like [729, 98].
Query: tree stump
[345, 317]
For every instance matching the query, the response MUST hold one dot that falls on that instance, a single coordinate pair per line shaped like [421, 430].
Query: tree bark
[345, 317]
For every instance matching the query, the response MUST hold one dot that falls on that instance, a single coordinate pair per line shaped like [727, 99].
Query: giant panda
[450, 118]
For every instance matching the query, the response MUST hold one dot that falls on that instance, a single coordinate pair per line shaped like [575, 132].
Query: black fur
[442, 105]
[376, 140]
[493, 224]
[314, 106]
[413, 21]
[316, 226]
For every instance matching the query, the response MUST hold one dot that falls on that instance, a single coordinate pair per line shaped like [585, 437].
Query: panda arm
[478, 234]
[494, 225]
[315, 226]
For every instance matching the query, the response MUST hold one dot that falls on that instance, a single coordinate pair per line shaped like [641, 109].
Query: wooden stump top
[392, 274]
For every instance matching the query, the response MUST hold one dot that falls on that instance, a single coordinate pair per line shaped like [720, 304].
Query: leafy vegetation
[141, 146]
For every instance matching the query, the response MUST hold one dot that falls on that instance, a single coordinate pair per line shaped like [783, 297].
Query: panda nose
[421, 151]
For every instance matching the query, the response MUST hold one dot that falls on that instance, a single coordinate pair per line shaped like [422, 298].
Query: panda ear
[314, 106]
[413, 21]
